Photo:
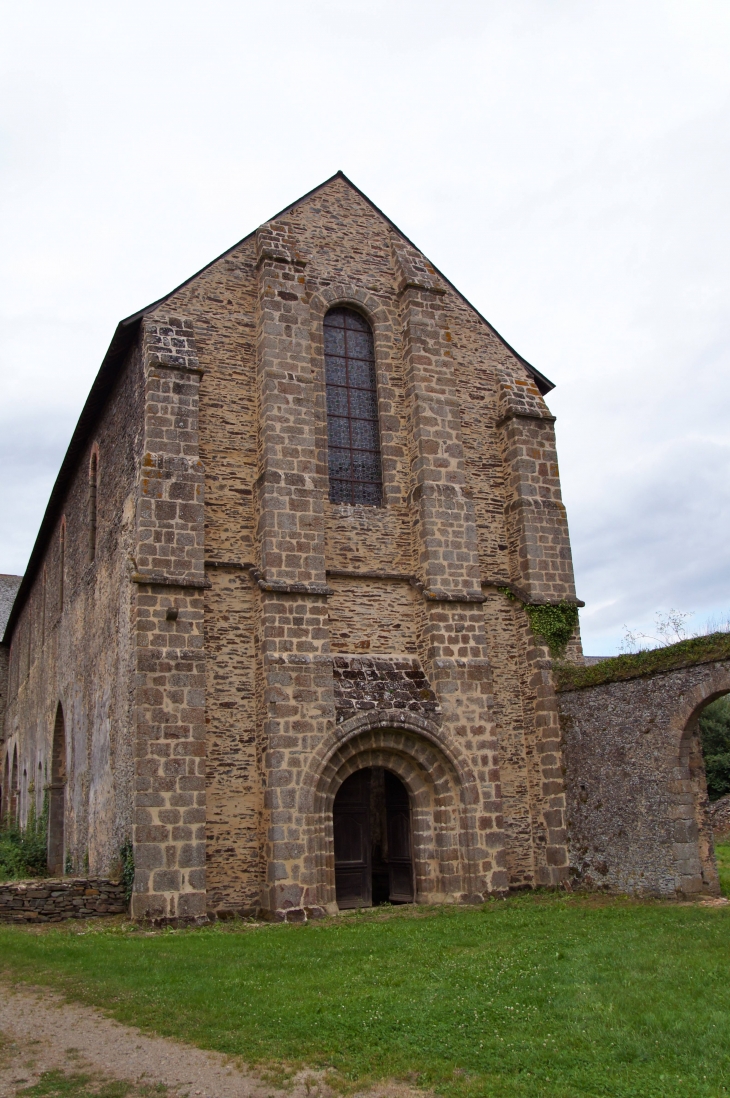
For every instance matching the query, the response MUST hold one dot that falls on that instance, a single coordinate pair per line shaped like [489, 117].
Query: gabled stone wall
[319, 583]
[273, 641]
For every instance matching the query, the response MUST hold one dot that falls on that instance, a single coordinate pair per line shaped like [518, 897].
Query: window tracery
[352, 409]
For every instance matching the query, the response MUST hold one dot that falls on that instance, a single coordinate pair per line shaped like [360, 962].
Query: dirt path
[42, 1032]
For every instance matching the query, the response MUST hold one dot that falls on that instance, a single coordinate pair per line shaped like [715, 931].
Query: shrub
[23, 851]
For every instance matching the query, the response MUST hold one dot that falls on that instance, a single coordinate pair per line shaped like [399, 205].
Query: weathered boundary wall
[48, 901]
[638, 812]
[720, 817]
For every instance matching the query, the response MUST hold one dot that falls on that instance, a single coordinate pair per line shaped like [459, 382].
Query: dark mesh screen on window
[352, 409]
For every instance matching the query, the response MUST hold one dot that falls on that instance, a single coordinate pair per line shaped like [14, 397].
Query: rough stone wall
[54, 899]
[637, 794]
[365, 684]
[371, 615]
[77, 650]
[720, 817]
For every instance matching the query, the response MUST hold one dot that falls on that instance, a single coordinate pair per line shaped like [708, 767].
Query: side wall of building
[5, 793]
[72, 647]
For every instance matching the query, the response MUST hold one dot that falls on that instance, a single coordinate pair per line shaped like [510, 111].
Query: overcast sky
[565, 162]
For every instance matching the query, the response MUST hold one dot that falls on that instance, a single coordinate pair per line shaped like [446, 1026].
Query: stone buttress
[169, 798]
[541, 572]
[453, 641]
[294, 666]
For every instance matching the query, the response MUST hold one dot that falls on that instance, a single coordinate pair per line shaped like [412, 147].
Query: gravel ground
[42, 1032]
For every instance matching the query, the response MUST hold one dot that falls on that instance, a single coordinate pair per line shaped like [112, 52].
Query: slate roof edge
[122, 341]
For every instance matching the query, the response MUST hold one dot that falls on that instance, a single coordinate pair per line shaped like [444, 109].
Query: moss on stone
[570, 676]
[555, 623]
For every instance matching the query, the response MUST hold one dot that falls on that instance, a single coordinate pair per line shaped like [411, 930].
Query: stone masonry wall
[368, 683]
[637, 795]
[54, 899]
[720, 817]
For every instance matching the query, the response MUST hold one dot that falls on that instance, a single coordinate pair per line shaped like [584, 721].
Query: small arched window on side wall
[57, 799]
[93, 491]
[353, 435]
[61, 562]
[14, 799]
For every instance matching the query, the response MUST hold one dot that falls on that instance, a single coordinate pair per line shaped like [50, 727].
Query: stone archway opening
[714, 735]
[704, 765]
[14, 799]
[708, 757]
[371, 824]
[57, 798]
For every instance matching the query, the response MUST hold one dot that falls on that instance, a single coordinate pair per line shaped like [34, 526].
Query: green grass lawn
[538, 995]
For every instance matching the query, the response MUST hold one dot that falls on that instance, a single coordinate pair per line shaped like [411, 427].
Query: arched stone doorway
[371, 825]
[57, 798]
[449, 819]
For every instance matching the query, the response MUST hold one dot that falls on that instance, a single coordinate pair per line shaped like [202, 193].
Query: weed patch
[23, 850]
[722, 856]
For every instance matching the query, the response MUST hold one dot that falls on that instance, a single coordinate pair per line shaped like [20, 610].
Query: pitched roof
[122, 340]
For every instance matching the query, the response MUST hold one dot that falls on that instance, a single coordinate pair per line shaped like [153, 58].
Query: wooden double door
[372, 832]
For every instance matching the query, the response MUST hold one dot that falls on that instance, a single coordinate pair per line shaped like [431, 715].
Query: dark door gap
[372, 833]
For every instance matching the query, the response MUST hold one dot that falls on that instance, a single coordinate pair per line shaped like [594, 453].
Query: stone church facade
[279, 591]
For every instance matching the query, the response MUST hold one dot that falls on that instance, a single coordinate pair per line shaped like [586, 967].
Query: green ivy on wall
[126, 855]
[555, 624]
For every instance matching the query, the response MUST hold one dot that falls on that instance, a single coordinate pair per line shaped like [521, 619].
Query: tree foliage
[715, 736]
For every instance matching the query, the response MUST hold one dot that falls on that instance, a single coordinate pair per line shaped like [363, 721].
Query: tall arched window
[352, 409]
[93, 485]
[14, 787]
[6, 791]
